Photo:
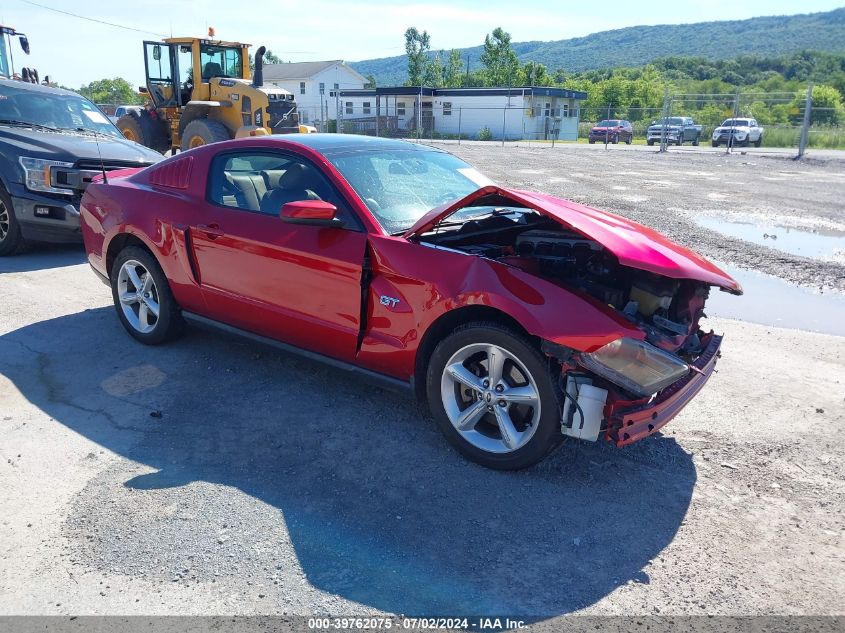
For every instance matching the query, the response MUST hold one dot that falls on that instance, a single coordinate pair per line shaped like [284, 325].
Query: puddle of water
[820, 244]
[772, 301]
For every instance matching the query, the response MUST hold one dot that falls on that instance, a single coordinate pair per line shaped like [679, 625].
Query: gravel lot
[216, 476]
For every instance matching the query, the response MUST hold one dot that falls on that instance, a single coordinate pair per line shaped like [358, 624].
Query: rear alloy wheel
[11, 241]
[493, 397]
[201, 132]
[142, 297]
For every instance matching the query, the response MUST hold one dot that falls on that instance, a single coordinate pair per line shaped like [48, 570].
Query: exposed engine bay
[667, 310]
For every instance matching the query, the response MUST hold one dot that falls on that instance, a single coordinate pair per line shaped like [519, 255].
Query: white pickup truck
[738, 132]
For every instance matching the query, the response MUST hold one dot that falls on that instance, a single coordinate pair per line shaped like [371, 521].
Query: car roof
[25, 85]
[329, 143]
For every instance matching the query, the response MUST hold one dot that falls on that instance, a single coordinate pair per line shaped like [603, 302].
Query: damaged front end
[629, 387]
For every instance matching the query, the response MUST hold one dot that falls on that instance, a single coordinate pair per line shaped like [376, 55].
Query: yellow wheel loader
[199, 91]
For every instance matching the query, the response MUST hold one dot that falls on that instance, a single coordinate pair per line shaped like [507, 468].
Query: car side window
[263, 182]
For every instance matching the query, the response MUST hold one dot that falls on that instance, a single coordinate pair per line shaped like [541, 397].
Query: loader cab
[173, 65]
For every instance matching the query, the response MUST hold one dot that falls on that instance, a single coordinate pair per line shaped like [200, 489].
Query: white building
[526, 112]
[314, 86]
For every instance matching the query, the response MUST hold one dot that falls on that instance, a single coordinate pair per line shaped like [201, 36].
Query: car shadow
[377, 507]
[42, 256]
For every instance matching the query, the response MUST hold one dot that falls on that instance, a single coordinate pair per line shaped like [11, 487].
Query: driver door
[161, 73]
[296, 283]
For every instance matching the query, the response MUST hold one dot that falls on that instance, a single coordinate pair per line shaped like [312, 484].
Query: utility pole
[731, 140]
[664, 140]
[805, 128]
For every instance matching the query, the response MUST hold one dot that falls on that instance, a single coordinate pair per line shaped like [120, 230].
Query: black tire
[680, 141]
[591, 141]
[759, 141]
[615, 140]
[546, 436]
[143, 129]
[169, 323]
[696, 141]
[714, 143]
[205, 130]
[650, 142]
[11, 240]
[629, 140]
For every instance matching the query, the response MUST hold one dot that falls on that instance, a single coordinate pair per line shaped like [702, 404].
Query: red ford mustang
[521, 318]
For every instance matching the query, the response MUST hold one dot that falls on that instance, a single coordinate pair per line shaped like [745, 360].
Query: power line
[83, 17]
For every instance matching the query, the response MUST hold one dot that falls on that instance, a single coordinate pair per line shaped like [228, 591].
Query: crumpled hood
[72, 147]
[633, 244]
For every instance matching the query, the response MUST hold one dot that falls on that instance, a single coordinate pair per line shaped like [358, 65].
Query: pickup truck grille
[78, 177]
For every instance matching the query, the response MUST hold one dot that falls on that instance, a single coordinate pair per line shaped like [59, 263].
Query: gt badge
[390, 302]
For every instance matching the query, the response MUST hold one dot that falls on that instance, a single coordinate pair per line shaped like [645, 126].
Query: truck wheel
[591, 141]
[650, 142]
[615, 140]
[680, 141]
[696, 140]
[11, 241]
[494, 396]
[142, 297]
[629, 140]
[714, 144]
[759, 141]
[202, 132]
[142, 129]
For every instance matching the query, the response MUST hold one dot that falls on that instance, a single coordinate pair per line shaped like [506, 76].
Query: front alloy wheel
[494, 396]
[490, 398]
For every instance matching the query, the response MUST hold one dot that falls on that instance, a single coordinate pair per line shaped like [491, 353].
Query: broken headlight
[635, 365]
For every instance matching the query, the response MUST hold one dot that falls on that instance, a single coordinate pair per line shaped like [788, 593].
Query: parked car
[125, 109]
[521, 318]
[48, 155]
[612, 131]
[738, 132]
[677, 129]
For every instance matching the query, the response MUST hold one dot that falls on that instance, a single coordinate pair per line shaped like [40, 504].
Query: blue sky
[75, 51]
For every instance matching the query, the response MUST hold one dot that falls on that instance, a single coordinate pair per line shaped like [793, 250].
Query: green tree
[498, 58]
[116, 90]
[433, 75]
[417, 46]
[827, 105]
[271, 58]
[371, 81]
[534, 74]
[453, 74]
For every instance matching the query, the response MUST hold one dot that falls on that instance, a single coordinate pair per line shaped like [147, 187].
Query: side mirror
[313, 212]
[156, 52]
[24, 44]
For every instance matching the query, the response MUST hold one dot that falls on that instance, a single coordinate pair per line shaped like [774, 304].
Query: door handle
[211, 230]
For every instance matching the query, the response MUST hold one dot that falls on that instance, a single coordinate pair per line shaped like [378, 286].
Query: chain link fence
[790, 124]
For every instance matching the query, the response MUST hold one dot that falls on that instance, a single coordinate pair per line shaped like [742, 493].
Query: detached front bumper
[628, 424]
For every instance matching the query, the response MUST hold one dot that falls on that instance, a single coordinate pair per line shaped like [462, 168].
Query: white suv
[738, 132]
